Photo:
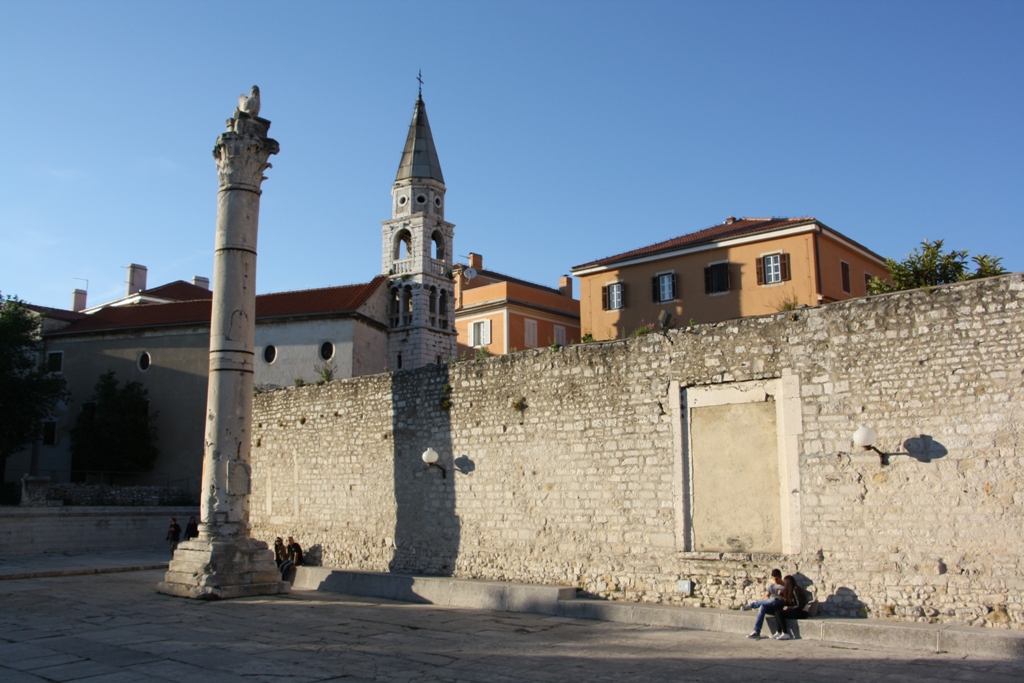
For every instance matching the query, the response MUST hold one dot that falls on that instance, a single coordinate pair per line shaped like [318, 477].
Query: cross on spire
[419, 77]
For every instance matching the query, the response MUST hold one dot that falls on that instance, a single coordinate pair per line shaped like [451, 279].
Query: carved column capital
[242, 152]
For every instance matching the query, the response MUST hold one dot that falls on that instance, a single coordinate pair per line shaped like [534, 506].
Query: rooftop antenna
[83, 280]
[419, 77]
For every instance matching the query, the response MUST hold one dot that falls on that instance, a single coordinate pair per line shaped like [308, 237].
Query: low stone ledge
[436, 590]
[909, 636]
[560, 601]
[984, 641]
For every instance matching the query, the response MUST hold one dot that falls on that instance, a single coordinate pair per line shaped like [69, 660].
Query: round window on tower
[326, 351]
[421, 199]
[437, 202]
[402, 201]
[144, 361]
[269, 354]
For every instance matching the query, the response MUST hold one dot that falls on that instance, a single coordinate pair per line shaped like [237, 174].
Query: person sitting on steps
[770, 605]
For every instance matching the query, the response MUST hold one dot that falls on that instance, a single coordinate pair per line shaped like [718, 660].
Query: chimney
[476, 261]
[136, 279]
[78, 300]
[200, 281]
[565, 286]
[730, 220]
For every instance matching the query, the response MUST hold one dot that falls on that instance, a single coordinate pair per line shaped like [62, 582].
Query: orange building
[505, 314]
[743, 267]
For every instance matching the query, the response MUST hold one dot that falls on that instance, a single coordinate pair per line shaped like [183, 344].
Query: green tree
[931, 266]
[115, 432]
[28, 393]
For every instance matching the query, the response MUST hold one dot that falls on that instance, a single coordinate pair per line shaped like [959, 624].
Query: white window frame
[614, 296]
[665, 289]
[480, 333]
[529, 333]
[772, 265]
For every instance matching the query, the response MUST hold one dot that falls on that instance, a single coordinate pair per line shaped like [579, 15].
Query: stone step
[560, 601]
[909, 636]
[436, 590]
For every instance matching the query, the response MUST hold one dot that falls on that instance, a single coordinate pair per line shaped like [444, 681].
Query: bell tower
[418, 256]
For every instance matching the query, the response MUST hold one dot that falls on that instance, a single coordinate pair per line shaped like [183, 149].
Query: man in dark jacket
[173, 535]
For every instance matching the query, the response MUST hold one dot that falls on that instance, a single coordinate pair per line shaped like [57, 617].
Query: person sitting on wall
[294, 552]
[292, 556]
[770, 605]
[280, 553]
[771, 591]
[797, 610]
[191, 529]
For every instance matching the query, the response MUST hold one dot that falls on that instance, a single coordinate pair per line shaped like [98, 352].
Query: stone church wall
[570, 465]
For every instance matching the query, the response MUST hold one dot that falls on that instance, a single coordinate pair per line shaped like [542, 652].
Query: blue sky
[567, 131]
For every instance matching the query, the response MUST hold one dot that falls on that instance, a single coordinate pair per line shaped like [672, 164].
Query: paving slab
[560, 600]
[44, 565]
[319, 636]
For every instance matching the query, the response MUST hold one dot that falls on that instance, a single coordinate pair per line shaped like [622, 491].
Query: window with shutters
[530, 333]
[559, 335]
[480, 333]
[846, 275]
[613, 296]
[716, 278]
[772, 268]
[663, 287]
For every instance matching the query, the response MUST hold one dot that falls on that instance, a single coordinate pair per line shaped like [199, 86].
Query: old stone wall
[570, 465]
[26, 531]
[74, 493]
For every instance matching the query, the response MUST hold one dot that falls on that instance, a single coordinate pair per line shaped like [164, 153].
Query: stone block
[900, 635]
[435, 590]
[599, 610]
[982, 642]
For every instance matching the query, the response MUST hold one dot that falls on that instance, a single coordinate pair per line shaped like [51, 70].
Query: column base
[222, 568]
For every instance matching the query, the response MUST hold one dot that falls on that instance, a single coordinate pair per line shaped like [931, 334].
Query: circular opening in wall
[437, 201]
[326, 351]
[421, 199]
[402, 201]
[144, 361]
[269, 353]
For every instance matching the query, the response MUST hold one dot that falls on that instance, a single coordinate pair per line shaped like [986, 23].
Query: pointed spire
[419, 160]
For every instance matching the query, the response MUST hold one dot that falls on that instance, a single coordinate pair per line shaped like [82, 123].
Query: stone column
[224, 562]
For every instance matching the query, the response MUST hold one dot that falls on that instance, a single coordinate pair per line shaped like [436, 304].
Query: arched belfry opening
[403, 245]
[418, 254]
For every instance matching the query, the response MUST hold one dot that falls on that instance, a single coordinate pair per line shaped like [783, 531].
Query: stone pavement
[115, 627]
[72, 564]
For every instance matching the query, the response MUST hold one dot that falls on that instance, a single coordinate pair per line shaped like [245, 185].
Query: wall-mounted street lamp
[865, 437]
[430, 457]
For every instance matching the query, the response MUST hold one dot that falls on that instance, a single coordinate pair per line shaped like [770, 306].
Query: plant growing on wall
[645, 328]
[115, 431]
[787, 303]
[28, 393]
[325, 372]
[932, 266]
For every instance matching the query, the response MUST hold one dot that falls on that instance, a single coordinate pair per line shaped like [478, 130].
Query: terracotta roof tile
[179, 290]
[737, 228]
[57, 313]
[327, 300]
